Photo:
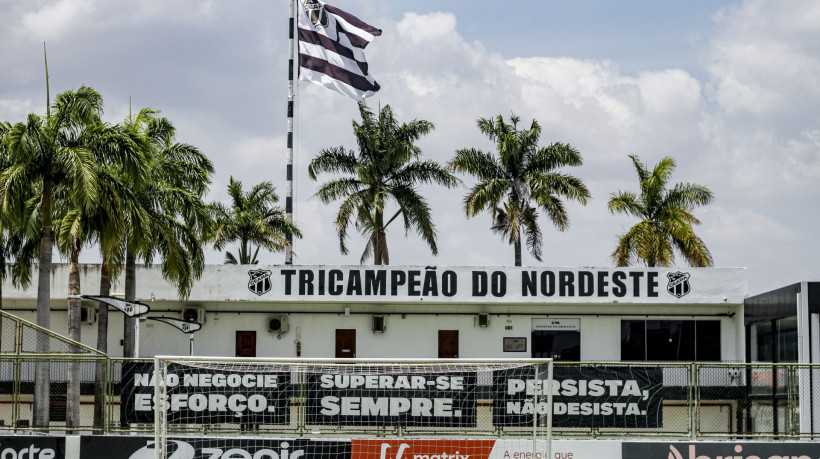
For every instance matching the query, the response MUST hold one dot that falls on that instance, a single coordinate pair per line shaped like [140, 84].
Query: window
[670, 340]
[775, 340]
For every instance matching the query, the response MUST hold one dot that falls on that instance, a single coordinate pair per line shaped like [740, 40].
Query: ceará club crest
[678, 285]
[259, 282]
[315, 10]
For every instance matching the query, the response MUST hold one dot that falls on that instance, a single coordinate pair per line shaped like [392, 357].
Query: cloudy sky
[730, 89]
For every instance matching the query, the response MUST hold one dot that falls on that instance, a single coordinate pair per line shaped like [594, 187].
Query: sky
[729, 89]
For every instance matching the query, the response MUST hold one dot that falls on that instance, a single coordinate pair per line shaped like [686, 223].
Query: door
[448, 344]
[246, 344]
[345, 344]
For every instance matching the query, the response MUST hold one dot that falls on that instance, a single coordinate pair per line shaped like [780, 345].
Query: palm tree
[14, 242]
[166, 217]
[252, 219]
[519, 174]
[666, 219]
[385, 169]
[50, 153]
[112, 149]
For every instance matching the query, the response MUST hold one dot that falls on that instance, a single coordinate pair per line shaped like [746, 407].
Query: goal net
[349, 409]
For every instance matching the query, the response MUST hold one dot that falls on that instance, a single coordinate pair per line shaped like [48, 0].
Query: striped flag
[331, 49]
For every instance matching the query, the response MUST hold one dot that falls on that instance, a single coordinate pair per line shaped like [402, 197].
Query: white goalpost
[346, 408]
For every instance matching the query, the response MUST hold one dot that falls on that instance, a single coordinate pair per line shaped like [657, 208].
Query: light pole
[182, 325]
[129, 308]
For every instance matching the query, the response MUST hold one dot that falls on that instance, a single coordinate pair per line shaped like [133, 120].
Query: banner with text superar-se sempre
[389, 399]
[607, 396]
[127, 447]
[199, 395]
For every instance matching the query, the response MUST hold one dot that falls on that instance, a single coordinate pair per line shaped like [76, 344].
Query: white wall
[415, 336]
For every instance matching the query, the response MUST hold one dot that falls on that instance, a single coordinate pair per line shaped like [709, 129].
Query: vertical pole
[291, 69]
[159, 411]
[535, 394]
[48, 89]
[550, 376]
[191, 342]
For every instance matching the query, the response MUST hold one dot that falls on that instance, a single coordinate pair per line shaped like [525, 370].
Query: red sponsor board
[422, 449]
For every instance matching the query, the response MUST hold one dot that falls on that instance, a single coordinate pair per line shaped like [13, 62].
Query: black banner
[32, 447]
[611, 396]
[714, 450]
[127, 447]
[389, 399]
[205, 396]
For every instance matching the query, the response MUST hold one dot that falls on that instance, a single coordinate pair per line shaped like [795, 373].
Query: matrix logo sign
[720, 450]
[95, 447]
[32, 447]
[422, 449]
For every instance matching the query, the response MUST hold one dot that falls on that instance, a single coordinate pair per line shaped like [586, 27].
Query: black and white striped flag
[331, 49]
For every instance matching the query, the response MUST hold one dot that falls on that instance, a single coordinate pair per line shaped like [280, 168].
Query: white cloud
[53, 21]
[15, 110]
[743, 228]
[766, 56]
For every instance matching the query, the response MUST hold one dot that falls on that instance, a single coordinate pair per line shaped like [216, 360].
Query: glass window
[633, 340]
[763, 344]
[670, 340]
[707, 340]
[558, 345]
[787, 339]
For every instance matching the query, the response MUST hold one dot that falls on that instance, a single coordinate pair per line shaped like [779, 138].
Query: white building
[588, 314]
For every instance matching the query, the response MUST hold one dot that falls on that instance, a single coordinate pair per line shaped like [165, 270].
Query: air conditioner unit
[278, 324]
[88, 314]
[483, 320]
[194, 315]
[379, 325]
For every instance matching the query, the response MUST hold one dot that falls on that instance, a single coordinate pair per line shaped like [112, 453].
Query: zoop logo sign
[421, 449]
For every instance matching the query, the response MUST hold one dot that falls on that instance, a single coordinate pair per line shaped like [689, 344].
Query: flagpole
[291, 94]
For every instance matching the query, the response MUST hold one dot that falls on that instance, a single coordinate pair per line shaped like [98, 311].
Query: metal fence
[700, 400]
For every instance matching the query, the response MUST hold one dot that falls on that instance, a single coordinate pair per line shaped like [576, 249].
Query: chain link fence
[698, 400]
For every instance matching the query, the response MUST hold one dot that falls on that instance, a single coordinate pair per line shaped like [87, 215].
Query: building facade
[587, 314]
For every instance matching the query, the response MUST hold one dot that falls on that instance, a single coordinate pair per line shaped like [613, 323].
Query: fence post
[693, 400]
[15, 390]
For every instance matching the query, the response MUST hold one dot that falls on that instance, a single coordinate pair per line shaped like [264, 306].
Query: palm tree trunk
[379, 247]
[72, 418]
[102, 346]
[42, 378]
[517, 247]
[129, 333]
[1, 308]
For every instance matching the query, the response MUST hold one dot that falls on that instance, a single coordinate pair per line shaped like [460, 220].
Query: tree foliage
[380, 178]
[518, 180]
[253, 220]
[666, 220]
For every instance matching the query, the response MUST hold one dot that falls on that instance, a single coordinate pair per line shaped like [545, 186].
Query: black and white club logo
[678, 284]
[260, 281]
[316, 12]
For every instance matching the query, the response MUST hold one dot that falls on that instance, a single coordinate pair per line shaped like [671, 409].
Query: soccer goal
[351, 409]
